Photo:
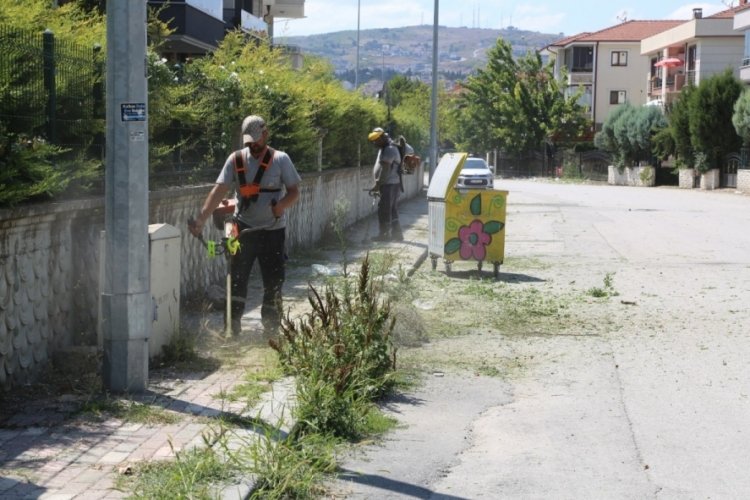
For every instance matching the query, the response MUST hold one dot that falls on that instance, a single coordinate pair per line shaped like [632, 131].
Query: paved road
[656, 404]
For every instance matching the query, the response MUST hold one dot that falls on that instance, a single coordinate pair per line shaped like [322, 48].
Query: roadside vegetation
[343, 360]
[706, 123]
[471, 318]
[194, 107]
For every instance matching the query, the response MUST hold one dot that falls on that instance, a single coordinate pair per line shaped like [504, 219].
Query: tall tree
[679, 124]
[517, 104]
[711, 108]
[741, 117]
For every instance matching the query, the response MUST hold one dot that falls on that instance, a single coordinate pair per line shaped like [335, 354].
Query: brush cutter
[223, 219]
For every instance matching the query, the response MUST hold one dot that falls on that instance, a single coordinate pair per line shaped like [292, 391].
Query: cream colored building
[607, 65]
[742, 25]
[690, 52]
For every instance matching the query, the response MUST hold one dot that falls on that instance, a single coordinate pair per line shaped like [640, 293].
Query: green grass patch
[288, 468]
[193, 474]
[607, 290]
[127, 411]
[257, 380]
[378, 423]
[510, 308]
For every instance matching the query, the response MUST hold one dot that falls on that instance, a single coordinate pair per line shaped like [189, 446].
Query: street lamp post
[356, 64]
[433, 111]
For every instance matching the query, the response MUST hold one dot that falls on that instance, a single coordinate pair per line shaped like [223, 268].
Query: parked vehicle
[476, 174]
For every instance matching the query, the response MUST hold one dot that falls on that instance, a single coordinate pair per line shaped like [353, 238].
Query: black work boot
[384, 233]
[396, 233]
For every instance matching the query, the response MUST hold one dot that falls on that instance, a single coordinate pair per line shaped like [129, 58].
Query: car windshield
[475, 163]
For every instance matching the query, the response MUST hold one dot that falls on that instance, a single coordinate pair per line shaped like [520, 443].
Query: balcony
[580, 78]
[294, 9]
[674, 83]
[195, 30]
[745, 69]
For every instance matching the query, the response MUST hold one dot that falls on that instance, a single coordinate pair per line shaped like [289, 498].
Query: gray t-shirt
[279, 175]
[386, 165]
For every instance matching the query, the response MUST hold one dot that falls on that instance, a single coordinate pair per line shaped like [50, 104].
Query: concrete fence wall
[631, 176]
[743, 180]
[49, 260]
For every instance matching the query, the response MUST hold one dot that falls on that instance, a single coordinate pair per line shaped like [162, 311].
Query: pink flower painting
[473, 241]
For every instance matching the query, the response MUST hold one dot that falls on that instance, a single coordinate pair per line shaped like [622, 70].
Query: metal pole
[382, 66]
[48, 47]
[126, 296]
[356, 64]
[433, 111]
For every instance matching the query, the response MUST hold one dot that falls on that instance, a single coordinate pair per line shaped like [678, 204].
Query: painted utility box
[464, 224]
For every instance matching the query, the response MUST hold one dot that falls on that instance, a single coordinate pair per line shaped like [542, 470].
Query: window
[617, 96]
[692, 57]
[619, 58]
[583, 59]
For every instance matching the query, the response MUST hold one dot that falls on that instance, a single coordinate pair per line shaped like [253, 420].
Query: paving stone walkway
[49, 451]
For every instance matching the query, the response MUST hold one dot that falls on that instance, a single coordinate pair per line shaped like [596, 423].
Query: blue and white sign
[133, 111]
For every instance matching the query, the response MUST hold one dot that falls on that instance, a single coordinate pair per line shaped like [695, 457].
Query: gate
[729, 170]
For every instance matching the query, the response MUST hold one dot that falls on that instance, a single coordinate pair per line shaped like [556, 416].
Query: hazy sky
[547, 16]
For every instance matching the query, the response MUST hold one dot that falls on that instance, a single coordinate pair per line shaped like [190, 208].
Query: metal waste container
[465, 224]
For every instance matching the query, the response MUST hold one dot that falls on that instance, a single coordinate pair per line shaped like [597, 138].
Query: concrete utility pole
[356, 65]
[433, 111]
[126, 295]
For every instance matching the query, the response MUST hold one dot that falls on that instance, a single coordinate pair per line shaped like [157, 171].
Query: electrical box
[164, 262]
[164, 250]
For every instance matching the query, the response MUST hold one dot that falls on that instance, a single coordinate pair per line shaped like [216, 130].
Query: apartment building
[200, 25]
[607, 65]
[742, 25]
[691, 52]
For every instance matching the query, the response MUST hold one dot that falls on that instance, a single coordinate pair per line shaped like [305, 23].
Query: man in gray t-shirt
[387, 176]
[267, 184]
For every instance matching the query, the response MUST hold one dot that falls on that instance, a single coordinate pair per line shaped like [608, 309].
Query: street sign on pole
[126, 296]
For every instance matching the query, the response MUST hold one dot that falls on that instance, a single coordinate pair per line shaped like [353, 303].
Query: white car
[475, 174]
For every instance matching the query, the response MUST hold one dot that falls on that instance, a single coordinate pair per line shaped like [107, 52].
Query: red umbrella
[669, 62]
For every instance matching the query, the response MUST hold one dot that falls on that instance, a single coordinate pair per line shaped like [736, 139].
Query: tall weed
[341, 354]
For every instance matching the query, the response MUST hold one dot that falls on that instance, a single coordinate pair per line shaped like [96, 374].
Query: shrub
[31, 169]
[741, 117]
[711, 108]
[628, 132]
[341, 354]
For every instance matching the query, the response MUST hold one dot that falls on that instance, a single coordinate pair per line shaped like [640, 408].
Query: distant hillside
[409, 49]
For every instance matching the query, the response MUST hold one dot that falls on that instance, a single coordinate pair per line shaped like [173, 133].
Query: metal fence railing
[52, 89]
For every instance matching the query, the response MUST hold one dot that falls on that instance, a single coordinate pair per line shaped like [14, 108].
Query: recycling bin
[465, 224]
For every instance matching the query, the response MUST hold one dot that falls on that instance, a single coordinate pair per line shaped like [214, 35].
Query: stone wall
[711, 180]
[631, 176]
[49, 260]
[743, 180]
[686, 179]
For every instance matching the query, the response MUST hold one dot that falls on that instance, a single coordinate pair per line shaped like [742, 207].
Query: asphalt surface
[655, 404]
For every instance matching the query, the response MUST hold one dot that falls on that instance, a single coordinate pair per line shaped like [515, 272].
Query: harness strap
[249, 192]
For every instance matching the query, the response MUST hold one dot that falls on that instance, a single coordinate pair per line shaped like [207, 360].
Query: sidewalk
[49, 452]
